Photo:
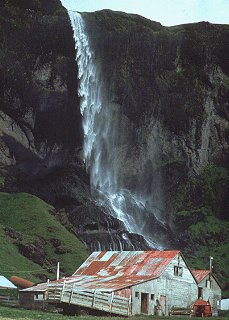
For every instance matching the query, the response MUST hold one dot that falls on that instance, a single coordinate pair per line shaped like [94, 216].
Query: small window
[39, 296]
[208, 284]
[178, 271]
[136, 294]
[200, 293]
[152, 296]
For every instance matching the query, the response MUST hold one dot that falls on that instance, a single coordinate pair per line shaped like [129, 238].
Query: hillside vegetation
[33, 240]
[201, 206]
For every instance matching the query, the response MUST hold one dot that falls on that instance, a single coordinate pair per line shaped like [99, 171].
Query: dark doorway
[144, 303]
[200, 293]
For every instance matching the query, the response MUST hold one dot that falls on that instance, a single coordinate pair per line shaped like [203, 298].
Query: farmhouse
[208, 289]
[129, 283]
[33, 297]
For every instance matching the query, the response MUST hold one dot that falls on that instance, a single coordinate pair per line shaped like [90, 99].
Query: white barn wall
[179, 291]
[213, 295]
[225, 304]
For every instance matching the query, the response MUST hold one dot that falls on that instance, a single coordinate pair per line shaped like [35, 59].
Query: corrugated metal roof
[39, 287]
[200, 274]
[114, 270]
[6, 284]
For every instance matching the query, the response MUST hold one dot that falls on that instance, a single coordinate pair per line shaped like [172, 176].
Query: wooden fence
[95, 299]
[4, 299]
[54, 292]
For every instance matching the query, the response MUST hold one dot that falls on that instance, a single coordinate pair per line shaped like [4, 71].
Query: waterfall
[104, 132]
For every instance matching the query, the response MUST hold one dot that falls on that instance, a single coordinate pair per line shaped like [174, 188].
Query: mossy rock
[201, 217]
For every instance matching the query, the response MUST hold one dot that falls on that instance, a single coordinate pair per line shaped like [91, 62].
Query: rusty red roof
[114, 270]
[200, 274]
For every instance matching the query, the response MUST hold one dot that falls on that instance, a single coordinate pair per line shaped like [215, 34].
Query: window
[152, 296]
[178, 271]
[38, 296]
[136, 294]
[200, 293]
[208, 284]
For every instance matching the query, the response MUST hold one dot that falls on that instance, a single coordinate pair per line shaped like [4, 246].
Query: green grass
[13, 313]
[32, 219]
[212, 226]
[12, 261]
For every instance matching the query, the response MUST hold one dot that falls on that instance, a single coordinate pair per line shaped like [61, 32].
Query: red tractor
[202, 308]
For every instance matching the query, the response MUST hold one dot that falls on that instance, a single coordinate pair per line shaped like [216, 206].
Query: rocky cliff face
[40, 121]
[38, 81]
[171, 86]
[170, 89]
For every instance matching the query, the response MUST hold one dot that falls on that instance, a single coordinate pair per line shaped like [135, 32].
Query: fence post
[129, 307]
[62, 293]
[111, 301]
[93, 300]
[70, 297]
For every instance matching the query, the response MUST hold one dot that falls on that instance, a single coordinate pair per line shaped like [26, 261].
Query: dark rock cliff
[40, 120]
[38, 80]
[171, 86]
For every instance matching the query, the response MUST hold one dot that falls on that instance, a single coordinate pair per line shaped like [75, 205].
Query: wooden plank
[97, 304]
[84, 294]
[77, 297]
[125, 310]
[102, 299]
[120, 303]
[119, 311]
[119, 307]
[76, 293]
[81, 302]
[54, 296]
[121, 298]
[106, 296]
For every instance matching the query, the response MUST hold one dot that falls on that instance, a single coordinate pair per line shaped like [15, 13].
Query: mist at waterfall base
[106, 136]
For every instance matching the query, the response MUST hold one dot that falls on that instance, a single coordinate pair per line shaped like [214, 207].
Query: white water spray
[103, 131]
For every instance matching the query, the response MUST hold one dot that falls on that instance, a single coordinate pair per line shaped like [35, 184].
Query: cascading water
[104, 132]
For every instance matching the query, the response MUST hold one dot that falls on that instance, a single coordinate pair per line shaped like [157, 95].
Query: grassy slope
[12, 261]
[31, 217]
